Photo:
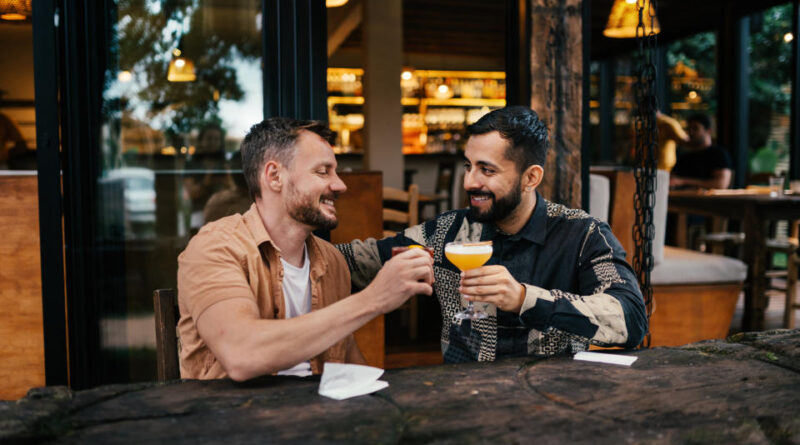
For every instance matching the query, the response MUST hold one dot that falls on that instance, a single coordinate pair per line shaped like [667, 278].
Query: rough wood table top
[744, 390]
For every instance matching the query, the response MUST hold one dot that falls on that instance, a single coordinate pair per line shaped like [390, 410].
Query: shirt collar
[534, 230]
[254, 223]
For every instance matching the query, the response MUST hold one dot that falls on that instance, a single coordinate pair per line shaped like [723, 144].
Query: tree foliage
[146, 34]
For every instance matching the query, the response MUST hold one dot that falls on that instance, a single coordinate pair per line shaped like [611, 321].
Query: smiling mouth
[327, 201]
[480, 197]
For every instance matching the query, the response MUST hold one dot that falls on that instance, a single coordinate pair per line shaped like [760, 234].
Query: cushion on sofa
[683, 266]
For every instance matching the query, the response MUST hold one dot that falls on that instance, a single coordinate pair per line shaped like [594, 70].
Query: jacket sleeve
[608, 309]
[365, 258]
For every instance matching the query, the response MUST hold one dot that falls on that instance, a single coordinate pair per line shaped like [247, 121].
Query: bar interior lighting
[624, 19]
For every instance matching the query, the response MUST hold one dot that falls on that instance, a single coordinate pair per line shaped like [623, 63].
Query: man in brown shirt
[258, 293]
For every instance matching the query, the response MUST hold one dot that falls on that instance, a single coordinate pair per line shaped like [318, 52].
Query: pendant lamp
[181, 68]
[13, 10]
[335, 3]
[624, 19]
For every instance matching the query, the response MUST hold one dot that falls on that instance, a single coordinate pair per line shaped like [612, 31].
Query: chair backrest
[400, 218]
[599, 196]
[165, 306]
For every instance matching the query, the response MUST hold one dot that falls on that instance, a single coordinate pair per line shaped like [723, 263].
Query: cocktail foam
[466, 249]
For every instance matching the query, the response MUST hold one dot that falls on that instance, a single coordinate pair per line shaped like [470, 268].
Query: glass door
[182, 84]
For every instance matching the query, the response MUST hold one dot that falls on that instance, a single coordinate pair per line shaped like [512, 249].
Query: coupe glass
[466, 256]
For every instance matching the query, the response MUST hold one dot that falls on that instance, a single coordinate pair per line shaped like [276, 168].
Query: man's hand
[493, 284]
[407, 274]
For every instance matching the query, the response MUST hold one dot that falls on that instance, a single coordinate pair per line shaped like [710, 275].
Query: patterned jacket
[579, 288]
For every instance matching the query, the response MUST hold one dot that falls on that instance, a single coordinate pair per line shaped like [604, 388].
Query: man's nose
[338, 185]
[470, 182]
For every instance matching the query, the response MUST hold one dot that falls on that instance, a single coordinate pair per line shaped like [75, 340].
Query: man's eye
[467, 167]
[487, 171]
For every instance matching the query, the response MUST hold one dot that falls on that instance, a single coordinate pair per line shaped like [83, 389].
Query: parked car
[138, 212]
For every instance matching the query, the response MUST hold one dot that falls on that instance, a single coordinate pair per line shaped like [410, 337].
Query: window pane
[770, 93]
[183, 86]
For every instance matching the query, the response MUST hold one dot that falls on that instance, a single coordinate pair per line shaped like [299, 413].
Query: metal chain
[646, 149]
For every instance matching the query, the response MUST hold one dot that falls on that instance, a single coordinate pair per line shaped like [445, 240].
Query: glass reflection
[168, 148]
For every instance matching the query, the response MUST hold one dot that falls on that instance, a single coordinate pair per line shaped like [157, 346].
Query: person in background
[670, 133]
[231, 200]
[12, 143]
[258, 293]
[704, 165]
[557, 276]
[206, 176]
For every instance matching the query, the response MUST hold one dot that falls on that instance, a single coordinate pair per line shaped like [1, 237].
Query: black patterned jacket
[579, 288]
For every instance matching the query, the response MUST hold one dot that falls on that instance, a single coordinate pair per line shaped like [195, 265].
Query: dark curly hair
[521, 127]
[274, 139]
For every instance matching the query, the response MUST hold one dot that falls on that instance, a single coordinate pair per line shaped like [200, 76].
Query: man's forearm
[602, 318]
[254, 346]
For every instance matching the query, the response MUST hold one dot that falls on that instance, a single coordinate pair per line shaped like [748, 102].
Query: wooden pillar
[383, 113]
[734, 83]
[557, 92]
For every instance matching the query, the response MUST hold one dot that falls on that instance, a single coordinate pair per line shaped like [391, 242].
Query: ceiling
[476, 27]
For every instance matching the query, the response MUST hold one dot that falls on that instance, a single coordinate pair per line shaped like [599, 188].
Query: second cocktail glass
[466, 256]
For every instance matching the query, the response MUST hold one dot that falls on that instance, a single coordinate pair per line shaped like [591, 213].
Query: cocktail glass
[466, 256]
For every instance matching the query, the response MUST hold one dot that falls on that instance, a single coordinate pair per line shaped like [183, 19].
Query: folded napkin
[599, 357]
[341, 381]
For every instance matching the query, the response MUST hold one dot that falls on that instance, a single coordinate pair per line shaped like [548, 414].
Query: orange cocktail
[466, 256]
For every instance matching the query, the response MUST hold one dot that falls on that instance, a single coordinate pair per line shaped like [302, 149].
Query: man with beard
[557, 279]
[258, 293]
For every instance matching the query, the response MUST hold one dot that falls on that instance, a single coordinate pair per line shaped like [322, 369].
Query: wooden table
[755, 210]
[742, 391]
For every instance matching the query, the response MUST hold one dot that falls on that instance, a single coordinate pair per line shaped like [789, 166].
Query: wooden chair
[792, 267]
[165, 306]
[408, 201]
[399, 219]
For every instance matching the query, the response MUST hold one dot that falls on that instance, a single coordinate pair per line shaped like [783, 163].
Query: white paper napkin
[599, 357]
[341, 381]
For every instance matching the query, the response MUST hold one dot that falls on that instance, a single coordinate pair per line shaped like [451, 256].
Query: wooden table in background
[755, 210]
[741, 391]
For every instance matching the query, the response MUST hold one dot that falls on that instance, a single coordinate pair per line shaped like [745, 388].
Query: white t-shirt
[297, 301]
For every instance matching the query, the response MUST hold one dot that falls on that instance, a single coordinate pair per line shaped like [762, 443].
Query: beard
[500, 208]
[306, 209]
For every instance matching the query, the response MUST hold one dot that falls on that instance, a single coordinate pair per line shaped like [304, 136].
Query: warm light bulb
[12, 16]
[630, 2]
[443, 89]
[176, 52]
[124, 76]
[788, 37]
[334, 3]
[692, 95]
[406, 75]
[180, 63]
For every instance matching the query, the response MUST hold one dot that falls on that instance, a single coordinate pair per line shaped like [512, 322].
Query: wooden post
[557, 91]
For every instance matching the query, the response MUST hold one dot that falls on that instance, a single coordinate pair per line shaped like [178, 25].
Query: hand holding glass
[466, 256]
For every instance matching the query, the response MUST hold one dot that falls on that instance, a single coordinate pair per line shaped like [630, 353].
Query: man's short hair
[701, 119]
[521, 127]
[273, 139]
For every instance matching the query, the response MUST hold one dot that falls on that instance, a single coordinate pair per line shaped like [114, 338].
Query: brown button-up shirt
[234, 257]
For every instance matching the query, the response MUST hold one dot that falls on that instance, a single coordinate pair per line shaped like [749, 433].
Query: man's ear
[273, 172]
[532, 177]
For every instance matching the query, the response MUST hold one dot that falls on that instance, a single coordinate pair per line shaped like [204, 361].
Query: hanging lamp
[335, 3]
[181, 68]
[624, 19]
[15, 10]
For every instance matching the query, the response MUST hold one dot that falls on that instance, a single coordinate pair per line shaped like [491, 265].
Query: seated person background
[205, 178]
[235, 199]
[258, 293]
[670, 133]
[557, 276]
[704, 165]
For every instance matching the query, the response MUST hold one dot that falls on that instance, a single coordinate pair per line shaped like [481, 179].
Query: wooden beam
[557, 92]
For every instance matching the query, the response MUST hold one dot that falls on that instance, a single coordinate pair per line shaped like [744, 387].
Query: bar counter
[743, 390]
